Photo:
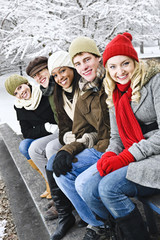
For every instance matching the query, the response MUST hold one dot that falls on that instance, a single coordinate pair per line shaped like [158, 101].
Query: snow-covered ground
[2, 228]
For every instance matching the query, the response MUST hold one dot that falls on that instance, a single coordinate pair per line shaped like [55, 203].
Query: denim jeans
[67, 183]
[113, 193]
[24, 146]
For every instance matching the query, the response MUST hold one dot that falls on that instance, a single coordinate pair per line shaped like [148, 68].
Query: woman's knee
[52, 148]
[24, 146]
[33, 148]
[113, 184]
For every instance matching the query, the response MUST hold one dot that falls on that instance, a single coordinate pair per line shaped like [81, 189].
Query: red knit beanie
[120, 45]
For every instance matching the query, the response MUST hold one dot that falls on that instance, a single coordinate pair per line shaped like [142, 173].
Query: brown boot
[49, 205]
[51, 214]
[47, 193]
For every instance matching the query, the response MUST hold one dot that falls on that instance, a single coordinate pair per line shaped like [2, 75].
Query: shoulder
[154, 81]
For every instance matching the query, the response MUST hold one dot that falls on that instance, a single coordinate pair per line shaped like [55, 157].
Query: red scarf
[128, 126]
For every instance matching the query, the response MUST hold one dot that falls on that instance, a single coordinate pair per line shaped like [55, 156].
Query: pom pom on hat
[120, 45]
[59, 59]
[83, 44]
[36, 65]
[13, 82]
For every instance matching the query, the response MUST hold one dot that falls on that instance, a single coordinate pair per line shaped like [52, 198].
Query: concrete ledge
[34, 183]
[29, 224]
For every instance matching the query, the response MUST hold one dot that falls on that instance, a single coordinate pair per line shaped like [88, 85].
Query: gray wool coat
[146, 168]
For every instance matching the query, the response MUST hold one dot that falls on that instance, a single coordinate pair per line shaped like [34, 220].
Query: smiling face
[23, 91]
[86, 65]
[63, 76]
[121, 68]
[42, 77]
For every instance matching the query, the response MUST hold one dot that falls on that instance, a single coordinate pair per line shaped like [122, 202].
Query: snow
[149, 52]
[2, 228]
[25, 34]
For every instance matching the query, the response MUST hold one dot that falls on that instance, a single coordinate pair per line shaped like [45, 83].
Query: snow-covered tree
[40, 27]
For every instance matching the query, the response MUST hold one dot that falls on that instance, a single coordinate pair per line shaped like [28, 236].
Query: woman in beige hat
[66, 94]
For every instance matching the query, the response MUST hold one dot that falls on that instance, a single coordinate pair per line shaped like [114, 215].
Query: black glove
[62, 163]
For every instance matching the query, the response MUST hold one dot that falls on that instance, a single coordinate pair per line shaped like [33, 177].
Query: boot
[132, 226]
[66, 220]
[51, 214]
[49, 205]
[46, 194]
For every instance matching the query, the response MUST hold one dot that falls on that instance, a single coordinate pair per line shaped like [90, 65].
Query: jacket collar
[136, 106]
[86, 94]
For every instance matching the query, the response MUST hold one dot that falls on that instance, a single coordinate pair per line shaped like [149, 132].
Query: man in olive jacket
[91, 115]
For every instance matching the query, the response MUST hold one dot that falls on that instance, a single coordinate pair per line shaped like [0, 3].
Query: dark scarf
[49, 90]
[128, 126]
[84, 85]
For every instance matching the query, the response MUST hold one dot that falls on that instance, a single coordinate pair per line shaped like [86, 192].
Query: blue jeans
[67, 183]
[24, 146]
[113, 193]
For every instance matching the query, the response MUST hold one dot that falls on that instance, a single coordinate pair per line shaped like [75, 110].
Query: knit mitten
[113, 163]
[103, 159]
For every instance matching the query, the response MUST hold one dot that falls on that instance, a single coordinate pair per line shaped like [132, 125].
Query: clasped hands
[110, 161]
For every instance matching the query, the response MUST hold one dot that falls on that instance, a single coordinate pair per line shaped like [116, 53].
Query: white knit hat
[59, 59]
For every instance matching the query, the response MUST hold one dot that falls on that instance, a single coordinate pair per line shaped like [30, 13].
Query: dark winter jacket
[32, 121]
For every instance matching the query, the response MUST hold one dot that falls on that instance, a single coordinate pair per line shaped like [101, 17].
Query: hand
[69, 137]
[62, 163]
[88, 139]
[104, 158]
[51, 128]
[113, 163]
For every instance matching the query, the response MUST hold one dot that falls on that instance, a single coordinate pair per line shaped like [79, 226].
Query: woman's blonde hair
[137, 81]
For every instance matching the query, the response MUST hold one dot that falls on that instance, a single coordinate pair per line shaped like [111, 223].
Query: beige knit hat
[59, 59]
[13, 82]
[83, 44]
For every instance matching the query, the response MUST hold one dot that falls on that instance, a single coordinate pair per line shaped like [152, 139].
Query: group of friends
[91, 129]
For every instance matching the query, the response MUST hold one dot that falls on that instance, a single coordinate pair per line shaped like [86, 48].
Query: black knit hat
[36, 65]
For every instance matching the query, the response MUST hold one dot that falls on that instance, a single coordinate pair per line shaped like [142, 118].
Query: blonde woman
[131, 164]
